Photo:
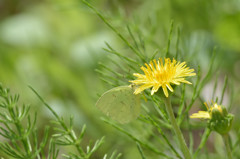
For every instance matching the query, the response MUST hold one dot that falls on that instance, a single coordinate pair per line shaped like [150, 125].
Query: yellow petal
[141, 88]
[165, 91]
[201, 115]
[169, 87]
[155, 88]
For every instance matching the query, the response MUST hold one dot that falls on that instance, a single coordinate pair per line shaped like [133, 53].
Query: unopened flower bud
[219, 119]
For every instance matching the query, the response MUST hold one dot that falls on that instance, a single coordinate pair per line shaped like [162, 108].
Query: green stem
[205, 136]
[177, 131]
[226, 142]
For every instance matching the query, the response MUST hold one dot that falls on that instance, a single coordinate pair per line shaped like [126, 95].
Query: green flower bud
[220, 120]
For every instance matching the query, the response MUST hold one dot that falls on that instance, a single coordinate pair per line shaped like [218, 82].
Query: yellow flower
[207, 114]
[156, 75]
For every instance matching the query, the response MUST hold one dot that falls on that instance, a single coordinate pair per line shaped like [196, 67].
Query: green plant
[183, 99]
[21, 136]
[164, 128]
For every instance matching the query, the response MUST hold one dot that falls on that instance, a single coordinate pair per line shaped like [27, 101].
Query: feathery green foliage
[21, 135]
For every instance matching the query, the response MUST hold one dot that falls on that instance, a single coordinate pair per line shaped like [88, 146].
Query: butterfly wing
[120, 104]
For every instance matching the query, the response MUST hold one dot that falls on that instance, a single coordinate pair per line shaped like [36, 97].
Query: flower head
[219, 119]
[212, 109]
[156, 75]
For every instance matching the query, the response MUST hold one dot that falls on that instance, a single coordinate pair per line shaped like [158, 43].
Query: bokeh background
[55, 46]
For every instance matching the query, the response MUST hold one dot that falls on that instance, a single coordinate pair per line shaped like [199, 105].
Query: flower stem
[205, 136]
[226, 142]
[177, 131]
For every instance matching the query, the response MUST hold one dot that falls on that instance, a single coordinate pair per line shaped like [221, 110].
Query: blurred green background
[56, 45]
